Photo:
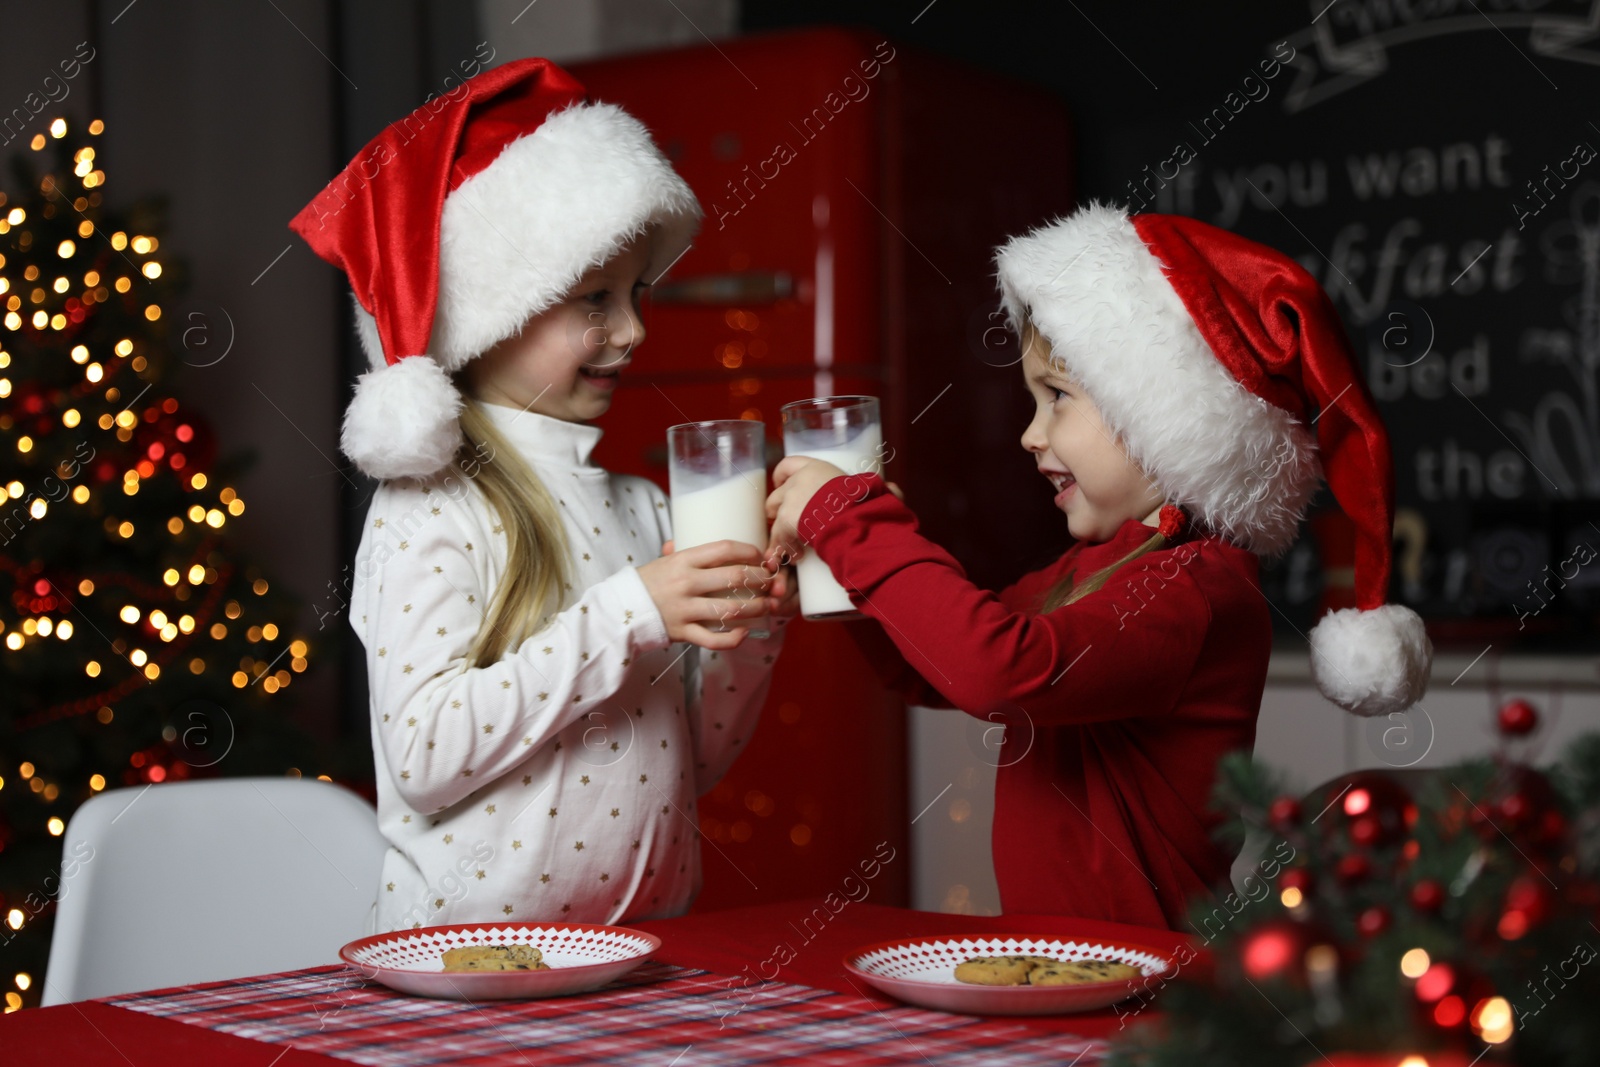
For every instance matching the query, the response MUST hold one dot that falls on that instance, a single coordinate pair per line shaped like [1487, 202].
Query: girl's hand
[719, 581]
[797, 479]
[783, 598]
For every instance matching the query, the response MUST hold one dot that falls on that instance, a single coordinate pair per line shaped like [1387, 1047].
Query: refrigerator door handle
[739, 287]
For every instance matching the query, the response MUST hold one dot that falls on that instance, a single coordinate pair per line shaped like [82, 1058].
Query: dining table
[764, 984]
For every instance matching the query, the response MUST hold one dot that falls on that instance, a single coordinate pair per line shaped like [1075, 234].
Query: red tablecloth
[686, 1006]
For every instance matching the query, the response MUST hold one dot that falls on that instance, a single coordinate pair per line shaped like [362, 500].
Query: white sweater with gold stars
[559, 783]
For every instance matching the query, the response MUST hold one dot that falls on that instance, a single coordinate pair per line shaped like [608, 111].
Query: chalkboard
[1435, 167]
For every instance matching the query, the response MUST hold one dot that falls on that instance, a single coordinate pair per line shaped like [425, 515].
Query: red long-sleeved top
[1116, 707]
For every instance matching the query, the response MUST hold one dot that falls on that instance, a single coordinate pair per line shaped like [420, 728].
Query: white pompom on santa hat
[1224, 370]
[459, 222]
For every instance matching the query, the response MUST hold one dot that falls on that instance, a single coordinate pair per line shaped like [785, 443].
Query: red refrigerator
[854, 191]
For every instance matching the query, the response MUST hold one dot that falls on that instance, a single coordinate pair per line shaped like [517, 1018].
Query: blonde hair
[1066, 591]
[538, 556]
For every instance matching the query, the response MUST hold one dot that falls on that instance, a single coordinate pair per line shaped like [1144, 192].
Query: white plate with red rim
[580, 957]
[921, 971]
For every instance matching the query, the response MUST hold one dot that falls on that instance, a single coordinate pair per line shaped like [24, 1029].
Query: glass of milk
[717, 472]
[846, 431]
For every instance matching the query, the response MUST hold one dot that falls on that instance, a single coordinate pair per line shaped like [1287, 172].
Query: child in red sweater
[1191, 387]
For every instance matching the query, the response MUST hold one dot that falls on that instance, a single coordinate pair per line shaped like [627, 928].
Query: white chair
[201, 881]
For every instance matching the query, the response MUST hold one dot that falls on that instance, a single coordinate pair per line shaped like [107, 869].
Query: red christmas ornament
[1373, 921]
[1371, 806]
[1427, 896]
[1297, 878]
[1284, 813]
[1353, 867]
[1276, 949]
[1518, 718]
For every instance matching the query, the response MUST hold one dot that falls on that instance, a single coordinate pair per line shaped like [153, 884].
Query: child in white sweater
[542, 718]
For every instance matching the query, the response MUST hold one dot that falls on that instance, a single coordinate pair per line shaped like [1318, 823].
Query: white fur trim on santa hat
[1371, 662]
[1091, 286]
[516, 236]
[404, 420]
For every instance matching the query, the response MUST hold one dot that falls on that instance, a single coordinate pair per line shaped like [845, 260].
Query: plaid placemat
[658, 1014]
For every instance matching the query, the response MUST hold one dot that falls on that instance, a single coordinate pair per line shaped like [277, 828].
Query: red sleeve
[1125, 650]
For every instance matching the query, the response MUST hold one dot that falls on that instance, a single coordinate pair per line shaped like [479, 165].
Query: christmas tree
[138, 648]
[1449, 923]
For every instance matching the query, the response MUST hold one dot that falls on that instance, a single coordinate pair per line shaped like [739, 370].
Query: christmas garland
[1454, 922]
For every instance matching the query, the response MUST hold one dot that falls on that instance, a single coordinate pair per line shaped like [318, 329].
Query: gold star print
[586, 557]
[718, 725]
[505, 685]
[449, 838]
[480, 874]
[544, 696]
[383, 651]
[488, 728]
[412, 721]
[576, 697]
[548, 650]
[615, 812]
[403, 546]
[471, 599]
[469, 546]
[659, 504]
[583, 609]
[630, 559]
[605, 877]
[649, 872]
[766, 659]
[584, 780]
[407, 669]
[544, 878]
[440, 631]
[597, 529]
[636, 844]
[434, 510]
[391, 887]
[627, 660]
[614, 746]
[527, 779]
[386, 716]
[558, 746]
[430, 746]
[378, 523]
[663, 809]
[506, 909]
[643, 778]
[552, 813]
[455, 703]
[498, 528]
[405, 818]
[489, 810]
[608, 503]
[438, 569]
[438, 902]
[627, 615]
[663, 742]
[583, 655]
[405, 609]
[565, 908]
[467, 773]
[516, 844]
[405, 774]
[578, 847]
[527, 740]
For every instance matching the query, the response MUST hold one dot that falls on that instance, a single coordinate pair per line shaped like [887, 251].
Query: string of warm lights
[151, 601]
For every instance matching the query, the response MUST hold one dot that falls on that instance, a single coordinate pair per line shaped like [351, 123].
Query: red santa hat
[460, 221]
[1225, 372]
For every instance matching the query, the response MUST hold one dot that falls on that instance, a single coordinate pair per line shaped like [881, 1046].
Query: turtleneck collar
[545, 437]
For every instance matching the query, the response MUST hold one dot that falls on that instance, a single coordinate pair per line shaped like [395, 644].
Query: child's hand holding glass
[691, 589]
